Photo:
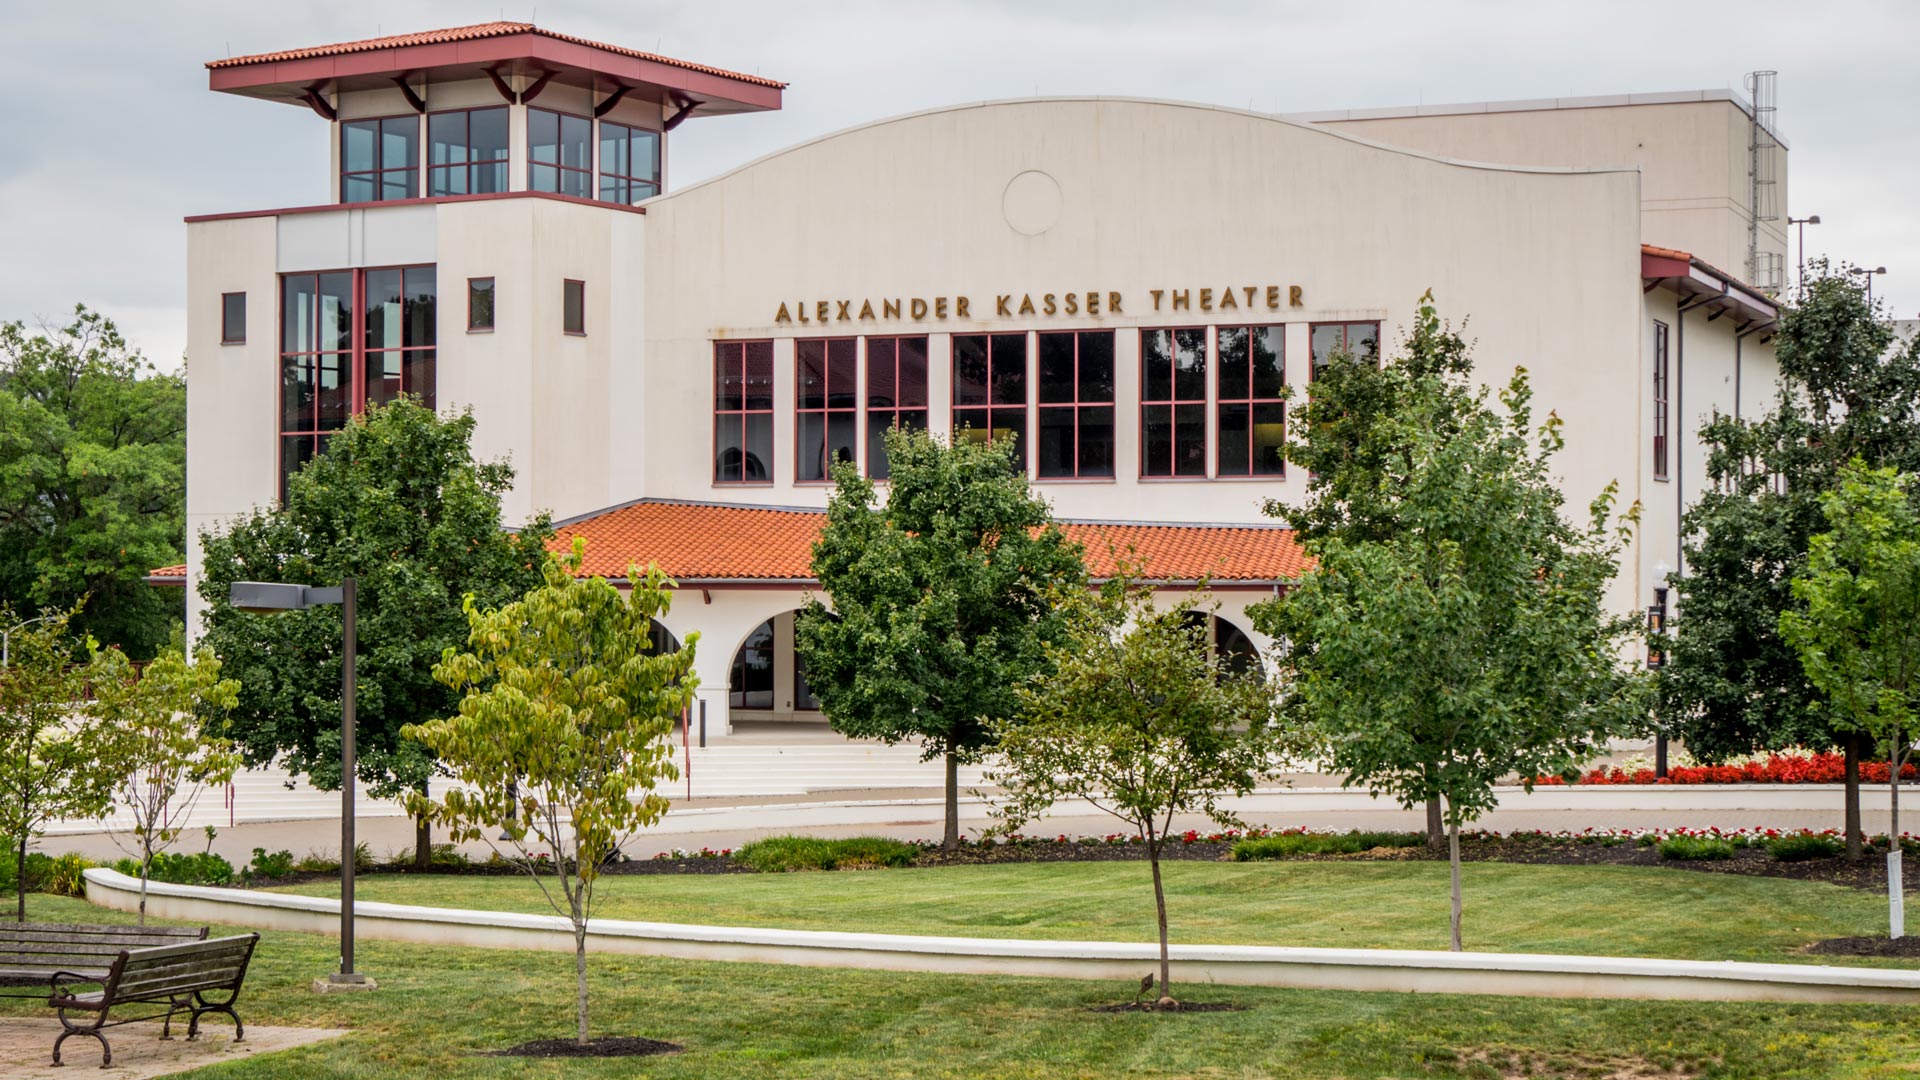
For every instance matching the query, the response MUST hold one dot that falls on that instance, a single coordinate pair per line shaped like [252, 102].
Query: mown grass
[781, 854]
[437, 1008]
[1600, 910]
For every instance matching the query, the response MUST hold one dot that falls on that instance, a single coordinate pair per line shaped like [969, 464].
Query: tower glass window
[1173, 402]
[827, 407]
[990, 387]
[559, 153]
[742, 412]
[399, 347]
[1252, 408]
[467, 151]
[1075, 407]
[896, 393]
[629, 163]
[380, 159]
[1660, 392]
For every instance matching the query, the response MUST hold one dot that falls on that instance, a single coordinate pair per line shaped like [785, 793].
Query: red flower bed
[1772, 769]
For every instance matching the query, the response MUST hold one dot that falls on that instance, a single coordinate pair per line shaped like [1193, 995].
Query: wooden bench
[178, 975]
[30, 953]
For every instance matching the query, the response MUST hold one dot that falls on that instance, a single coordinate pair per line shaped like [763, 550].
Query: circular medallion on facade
[1031, 202]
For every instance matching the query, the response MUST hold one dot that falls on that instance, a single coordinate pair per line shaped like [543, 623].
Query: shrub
[194, 868]
[1799, 847]
[63, 875]
[777, 854]
[447, 855]
[1292, 845]
[268, 867]
[1695, 848]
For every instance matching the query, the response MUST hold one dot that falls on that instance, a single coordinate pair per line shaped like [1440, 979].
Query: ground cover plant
[1290, 845]
[777, 854]
[1695, 848]
[439, 1010]
[1648, 910]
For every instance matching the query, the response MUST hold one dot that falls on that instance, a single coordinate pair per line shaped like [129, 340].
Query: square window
[233, 318]
[574, 307]
[480, 303]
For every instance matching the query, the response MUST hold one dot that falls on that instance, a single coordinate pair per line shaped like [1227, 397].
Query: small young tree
[563, 736]
[50, 763]
[1474, 644]
[1858, 635]
[159, 741]
[1140, 718]
[942, 598]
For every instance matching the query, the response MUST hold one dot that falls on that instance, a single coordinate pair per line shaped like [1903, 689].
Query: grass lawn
[1600, 910]
[438, 1007]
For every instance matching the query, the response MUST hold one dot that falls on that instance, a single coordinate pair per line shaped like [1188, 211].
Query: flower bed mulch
[1867, 946]
[605, 1046]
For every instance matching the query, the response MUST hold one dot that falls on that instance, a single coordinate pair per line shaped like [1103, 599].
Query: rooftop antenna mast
[1765, 269]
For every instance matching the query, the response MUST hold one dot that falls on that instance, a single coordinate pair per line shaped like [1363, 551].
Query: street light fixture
[1803, 222]
[272, 598]
[1869, 275]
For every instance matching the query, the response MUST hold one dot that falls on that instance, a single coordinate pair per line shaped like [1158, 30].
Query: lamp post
[1803, 222]
[1869, 275]
[271, 598]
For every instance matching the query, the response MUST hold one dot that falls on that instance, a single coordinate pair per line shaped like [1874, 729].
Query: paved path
[26, 1048]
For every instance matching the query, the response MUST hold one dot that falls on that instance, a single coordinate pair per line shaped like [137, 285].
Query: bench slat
[212, 968]
[216, 944]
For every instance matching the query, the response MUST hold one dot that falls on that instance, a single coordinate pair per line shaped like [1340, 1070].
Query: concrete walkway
[26, 1048]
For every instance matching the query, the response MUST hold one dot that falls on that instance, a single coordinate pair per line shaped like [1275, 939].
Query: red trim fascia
[1663, 266]
[550, 53]
[430, 200]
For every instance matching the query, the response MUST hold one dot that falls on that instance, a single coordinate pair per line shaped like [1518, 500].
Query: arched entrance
[1236, 652]
[767, 682]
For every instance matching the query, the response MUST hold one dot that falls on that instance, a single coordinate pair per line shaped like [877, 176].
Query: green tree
[564, 733]
[1349, 441]
[1138, 717]
[160, 741]
[1732, 685]
[1473, 644]
[93, 452]
[397, 502]
[943, 598]
[50, 740]
[1857, 631]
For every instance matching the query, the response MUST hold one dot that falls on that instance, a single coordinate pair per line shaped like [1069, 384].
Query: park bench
[130, 965]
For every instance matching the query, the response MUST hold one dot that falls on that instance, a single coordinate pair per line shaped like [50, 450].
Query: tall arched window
[751, 684]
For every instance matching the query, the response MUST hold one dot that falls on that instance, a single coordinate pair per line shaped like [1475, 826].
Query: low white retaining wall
[1520, 974]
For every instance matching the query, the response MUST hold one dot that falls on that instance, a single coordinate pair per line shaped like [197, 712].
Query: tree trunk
[146, 869]
[1453, 866]
[1436, 827]
[1896, 851]
[1855, 841]
[1160, 907]
[950, 840]
[20, 881]
[580, 977]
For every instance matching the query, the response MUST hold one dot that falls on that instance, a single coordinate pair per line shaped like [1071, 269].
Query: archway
[767, 681]
[1230, 644]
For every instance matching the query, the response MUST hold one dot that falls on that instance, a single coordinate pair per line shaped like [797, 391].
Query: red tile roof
[472, 33]
[168, 575]
[1665, 253]
[704, 542]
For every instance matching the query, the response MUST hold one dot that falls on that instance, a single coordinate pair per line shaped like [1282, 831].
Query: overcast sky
[111, 137]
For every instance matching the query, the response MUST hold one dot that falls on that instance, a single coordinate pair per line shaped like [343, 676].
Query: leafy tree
[1139, 718]
[93, 452]
[943, 598]
[1858, 636]
[1472, 644]
[564, 734]
[1732, 685]
[397, 502]
[155, 746]
[50, 740]
[1349, 441]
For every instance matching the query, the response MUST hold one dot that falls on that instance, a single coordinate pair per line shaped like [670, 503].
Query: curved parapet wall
[1519, 974]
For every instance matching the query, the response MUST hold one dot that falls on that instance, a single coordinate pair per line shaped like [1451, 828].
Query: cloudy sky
[111, 137]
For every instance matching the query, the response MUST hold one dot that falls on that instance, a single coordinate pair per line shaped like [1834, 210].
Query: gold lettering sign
[1093, 303]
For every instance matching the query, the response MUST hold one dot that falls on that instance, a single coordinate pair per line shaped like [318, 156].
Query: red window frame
[561, 170]
[380, 170]
[413, 357]
[469, 164]
[1315, 361]
[632, 182]
[737, 356]
[1232, 399]
[353, 358]
[1661, 389]
[850, 411]
[1173, 403]
[962, 415]
[569, 326]
[890, 350]
[1079, 406]
[493, 305]
[226, 322]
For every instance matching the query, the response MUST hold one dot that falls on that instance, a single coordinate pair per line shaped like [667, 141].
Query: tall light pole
[1803, 222]
[1869, 275]
[271, 598]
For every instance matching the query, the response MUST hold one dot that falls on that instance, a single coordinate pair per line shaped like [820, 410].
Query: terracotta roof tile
[1664, 252]
[472, 33]
[706, 542]
[168, 575]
